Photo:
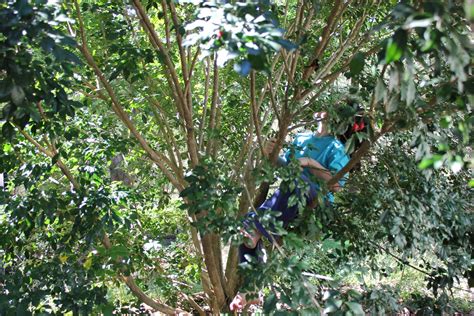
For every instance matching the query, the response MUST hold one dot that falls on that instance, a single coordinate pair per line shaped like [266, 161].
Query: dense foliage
[132, 135]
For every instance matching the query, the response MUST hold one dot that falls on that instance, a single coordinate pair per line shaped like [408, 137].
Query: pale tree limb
[231, 273]
[167, 133]
[215, 96]
[286, 65]
[193, 303]
[147, 300]
[160, 115]
[184, 109]
[182, 52]
[273, 102]
[183, 59]
[51, 154]
[218, 126]
[156, 42]
[333, 17]
[247, 144]
[353, 36]
[277, 79]
[164, 6]
[214, 271]
[90, 96]
[190, 74]
[296, 54]
[202, 123]
[327, 81]
[159, 159]
[254, 109]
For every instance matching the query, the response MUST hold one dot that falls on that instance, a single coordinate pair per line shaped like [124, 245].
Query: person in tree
[320, 155]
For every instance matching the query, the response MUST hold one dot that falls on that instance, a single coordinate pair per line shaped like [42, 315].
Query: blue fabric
[326, 150]
[278, 202]
[329, 152]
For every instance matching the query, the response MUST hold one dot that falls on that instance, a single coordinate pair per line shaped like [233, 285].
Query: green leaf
[356, 308]
[17, 95]
[396, 46]
[393, 53]
[445, 121]
[118, 251]
[425, 163]
[88, 263]
[8, 131]
[411, 91]
[380, 90]
[392, 104]
[270, 303]
[357, 64]
[107, 309]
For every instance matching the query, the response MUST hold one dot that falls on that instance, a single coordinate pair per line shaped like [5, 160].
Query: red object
[358, 127]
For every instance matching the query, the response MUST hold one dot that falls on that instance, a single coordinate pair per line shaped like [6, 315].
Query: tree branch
[202, 123]
[159, 159]
[215, 95]
[254, 109]
[184, 108]
[333, 17]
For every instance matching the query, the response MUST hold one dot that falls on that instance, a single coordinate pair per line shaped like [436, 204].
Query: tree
[188, 93]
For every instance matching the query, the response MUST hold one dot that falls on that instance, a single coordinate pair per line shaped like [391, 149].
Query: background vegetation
[131, 137]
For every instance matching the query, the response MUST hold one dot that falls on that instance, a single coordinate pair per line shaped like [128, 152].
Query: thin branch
[51, 154]
[333, 17]
[182, 53]
[405, 262]
[204, 105]
[254, 109]
[353, 36]
[167, 24]
[327, 81]
[193, 63]
[215, 95]
[184, 107]
[193, 303]
[159, 159]
[156, 42]
[166, 131]
[147, 300]
[272, 99]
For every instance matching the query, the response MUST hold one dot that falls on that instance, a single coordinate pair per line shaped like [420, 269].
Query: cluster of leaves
[212, 197]
[416, 216]
[246, 31]
[47, 239]
[429, 39]
[51, 259]
[36, 62]
[294, 285]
